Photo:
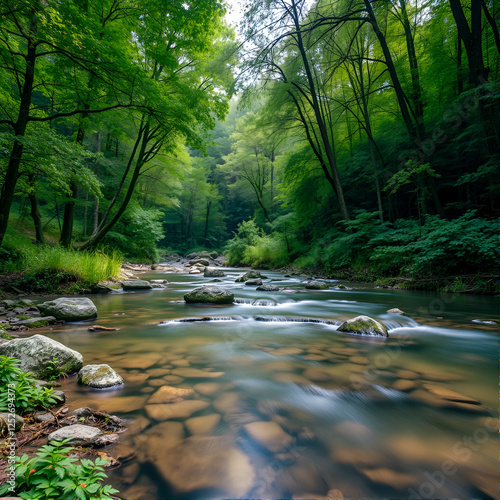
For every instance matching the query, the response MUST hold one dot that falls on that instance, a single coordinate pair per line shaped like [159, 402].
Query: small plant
[51, 370]
[22, 317]
[52, 473]
[6, 336]
[22, 388]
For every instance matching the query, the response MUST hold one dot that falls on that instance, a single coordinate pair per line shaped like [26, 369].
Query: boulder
[201, 463]
[213, 255]
[10, 422]
[37, 322]
[249, 275]
[364, 325]
[73, 309]
[43, 357]
[99, 376]
[136, 285]
[316, 285]
[78, 435]
[213, 272]
[209, 294]
[254, 282]
[268, 288]
[203, 262]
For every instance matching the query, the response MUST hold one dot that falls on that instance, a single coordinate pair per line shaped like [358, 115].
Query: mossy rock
[316, 285]
[209, 294]
[364, 325]
[99, 376]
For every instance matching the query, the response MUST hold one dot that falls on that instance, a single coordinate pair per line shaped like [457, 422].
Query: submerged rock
[270, 435]
[181, 409]
[136, 285]
[99, 376]
[364, 325]
[316, 285]
[78, 435]
[168, 394]
[43, 357]
[207, 463]
[37, 322]
[73, 309]
[213, 272]
[268, 288]
[202, 425]
[209, 294]
[253, 282]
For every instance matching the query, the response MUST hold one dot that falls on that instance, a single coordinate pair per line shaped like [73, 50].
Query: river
[291, 409]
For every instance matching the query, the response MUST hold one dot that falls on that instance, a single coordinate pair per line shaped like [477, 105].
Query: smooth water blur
[367, 417]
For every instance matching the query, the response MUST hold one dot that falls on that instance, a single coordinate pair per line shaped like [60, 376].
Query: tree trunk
[12, 172]
[35, 212]
[69, 216]
[317, 113]
[205, 239]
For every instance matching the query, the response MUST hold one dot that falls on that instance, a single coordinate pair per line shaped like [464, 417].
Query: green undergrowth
[50, 268]
[458, 256]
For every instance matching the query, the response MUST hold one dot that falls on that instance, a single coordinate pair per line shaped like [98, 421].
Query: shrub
[27, 395]
[53, 474]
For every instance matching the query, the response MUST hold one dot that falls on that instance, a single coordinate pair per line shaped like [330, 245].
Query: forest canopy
[358, 134]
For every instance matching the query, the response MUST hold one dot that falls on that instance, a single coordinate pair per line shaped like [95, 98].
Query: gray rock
[136, 285]
[15, 422]
[249, 275]
[101, 289]
[37, 322]
[44, 417]
[216, 280]
[43, 357]
[158, 286]
[209, 294]
[316, 285]
[83, 412]
[59, 396]
[99, 376]
[78, 435]
[213, 272]
[364, 325]
[253, 282]
[9, 303]
[213, 255]
[395, 311]
[70, 309]
[268, 288]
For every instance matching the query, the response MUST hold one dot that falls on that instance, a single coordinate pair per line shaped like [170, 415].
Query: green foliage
[53, 473]
[246, 236]
[24, 393]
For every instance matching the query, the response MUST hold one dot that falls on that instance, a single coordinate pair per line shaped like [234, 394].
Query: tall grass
[20, 254]
[91, 267]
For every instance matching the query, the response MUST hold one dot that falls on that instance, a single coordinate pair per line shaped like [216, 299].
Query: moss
[102, 371]
[38, 324]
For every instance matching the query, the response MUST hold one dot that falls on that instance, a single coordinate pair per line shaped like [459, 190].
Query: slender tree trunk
[35, 212]
[95, 224]
[205, 239]
[12, 172]
[460, 74]
[319, 118]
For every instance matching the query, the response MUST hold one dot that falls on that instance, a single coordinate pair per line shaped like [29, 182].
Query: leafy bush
[25, 393]
[246, 236]
[53, 474]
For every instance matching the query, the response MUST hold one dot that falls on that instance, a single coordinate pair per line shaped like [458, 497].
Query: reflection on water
[265, 399]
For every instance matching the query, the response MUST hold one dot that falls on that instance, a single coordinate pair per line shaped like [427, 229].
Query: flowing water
[287, 407]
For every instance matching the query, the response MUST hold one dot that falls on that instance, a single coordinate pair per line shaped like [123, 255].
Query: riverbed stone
[78, 435]
[202, 425]
[248, 276]
[195, 373]
[364, 325]
[209, 294]
[181, 409]
[201, 262]
[169, 394]
[207, 463]
[213, 272]
[404, 385]
[136, 285]
[253, 282]
[316, 285]
[269, 435]
[69, 309]
[449, 395]
[268, 288]
[99, 376]
[42, 356]
[11, 419]
[390, 477]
